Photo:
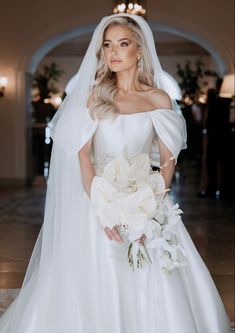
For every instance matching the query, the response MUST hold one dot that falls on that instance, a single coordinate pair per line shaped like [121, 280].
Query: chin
[118, 69]
[115, 68]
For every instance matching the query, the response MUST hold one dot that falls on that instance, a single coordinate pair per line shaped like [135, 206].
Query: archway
[80, 31]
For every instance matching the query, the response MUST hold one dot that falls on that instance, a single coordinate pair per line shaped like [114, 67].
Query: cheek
[106, 55]
[130, 54]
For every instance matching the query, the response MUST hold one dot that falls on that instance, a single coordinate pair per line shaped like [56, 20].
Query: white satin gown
[88, 286]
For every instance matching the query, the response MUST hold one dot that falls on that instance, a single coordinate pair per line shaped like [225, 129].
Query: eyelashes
[122, 44]
[106, 45]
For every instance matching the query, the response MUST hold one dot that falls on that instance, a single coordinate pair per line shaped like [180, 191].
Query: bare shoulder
[159, 99]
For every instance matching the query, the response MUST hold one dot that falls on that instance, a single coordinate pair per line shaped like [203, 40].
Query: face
[120, 48]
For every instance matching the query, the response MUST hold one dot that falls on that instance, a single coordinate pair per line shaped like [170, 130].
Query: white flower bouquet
[130, 196]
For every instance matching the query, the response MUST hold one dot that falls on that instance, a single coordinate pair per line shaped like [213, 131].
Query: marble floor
[209, 221]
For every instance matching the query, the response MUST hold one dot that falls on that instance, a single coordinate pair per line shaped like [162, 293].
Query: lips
[115, 61]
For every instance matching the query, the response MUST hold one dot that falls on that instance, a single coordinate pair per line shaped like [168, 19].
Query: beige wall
[27, 25]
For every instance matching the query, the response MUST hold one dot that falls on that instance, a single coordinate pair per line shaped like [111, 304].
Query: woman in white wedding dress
[79, 279]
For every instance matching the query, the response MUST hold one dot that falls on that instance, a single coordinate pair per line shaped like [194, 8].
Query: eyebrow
[119, 40]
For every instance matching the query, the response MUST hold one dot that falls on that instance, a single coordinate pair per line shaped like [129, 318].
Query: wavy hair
[104, 89]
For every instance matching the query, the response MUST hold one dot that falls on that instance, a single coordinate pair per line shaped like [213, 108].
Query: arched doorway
[80, 31]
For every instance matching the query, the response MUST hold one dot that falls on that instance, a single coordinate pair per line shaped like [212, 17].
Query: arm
[87, 169]
[88, 173]
[167, 163]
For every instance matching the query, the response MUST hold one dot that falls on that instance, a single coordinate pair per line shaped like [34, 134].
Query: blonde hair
[104, 90]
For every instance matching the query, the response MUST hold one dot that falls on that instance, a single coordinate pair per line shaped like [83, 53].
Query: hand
[113, 234]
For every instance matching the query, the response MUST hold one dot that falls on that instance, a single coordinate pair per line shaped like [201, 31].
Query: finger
[142, 239]
[108, 233]
[116, 235]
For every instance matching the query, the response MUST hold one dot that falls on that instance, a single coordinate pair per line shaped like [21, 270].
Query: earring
[138, 62]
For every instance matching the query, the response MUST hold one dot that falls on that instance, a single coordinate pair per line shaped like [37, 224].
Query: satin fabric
[79, 281]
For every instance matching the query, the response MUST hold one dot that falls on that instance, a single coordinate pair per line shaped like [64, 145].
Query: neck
[127, 81]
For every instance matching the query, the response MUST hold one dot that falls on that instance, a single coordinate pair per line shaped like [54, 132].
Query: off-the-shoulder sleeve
[170, 127]
[74, 131]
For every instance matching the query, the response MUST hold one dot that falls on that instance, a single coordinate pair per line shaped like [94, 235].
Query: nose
[114, 49]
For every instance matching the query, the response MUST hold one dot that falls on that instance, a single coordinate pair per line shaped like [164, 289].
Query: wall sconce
[228, 91]
[3, 84]
[228, 86]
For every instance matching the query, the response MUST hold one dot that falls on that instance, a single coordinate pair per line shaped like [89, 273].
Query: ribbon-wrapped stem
[137, 255]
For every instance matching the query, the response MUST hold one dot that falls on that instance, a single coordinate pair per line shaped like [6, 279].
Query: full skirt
[90, 288]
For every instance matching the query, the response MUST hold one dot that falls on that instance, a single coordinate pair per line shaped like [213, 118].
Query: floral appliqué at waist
[100, 162]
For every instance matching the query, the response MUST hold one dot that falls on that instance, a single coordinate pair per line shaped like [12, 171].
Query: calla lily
[117, 172]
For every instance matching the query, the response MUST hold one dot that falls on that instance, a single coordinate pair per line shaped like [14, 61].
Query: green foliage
[193, 79]
[45, 80]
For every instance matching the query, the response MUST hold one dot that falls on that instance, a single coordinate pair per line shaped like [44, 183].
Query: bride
[79, 279]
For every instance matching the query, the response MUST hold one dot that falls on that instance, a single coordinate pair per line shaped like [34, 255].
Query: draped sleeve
[170, 127]
[72, 133]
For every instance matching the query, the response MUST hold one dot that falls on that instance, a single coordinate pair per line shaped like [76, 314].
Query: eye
[124, 44]
[106, 45]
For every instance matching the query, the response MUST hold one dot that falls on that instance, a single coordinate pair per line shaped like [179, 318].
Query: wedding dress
[89, 287]
[78, 281]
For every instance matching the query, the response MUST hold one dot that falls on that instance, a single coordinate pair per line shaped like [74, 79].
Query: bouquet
[130, 196]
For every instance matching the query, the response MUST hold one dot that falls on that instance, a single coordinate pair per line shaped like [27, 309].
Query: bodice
[127, 135]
